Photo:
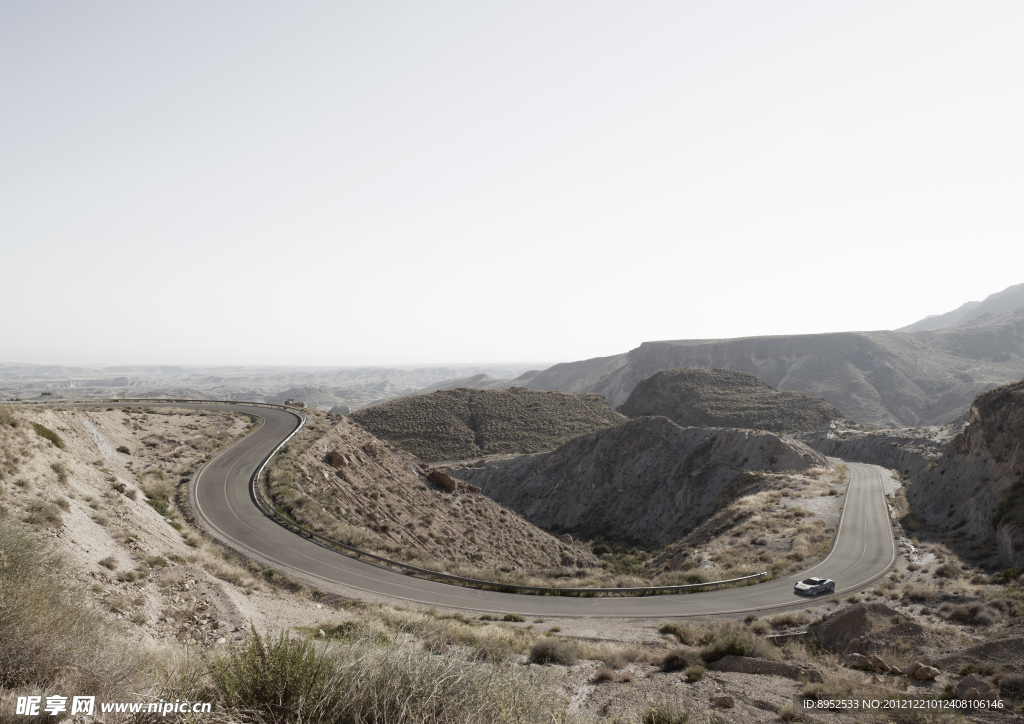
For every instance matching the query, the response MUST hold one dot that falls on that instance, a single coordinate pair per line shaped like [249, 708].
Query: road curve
[864, 548]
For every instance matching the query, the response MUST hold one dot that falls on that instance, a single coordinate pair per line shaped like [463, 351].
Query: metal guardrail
[268, 509]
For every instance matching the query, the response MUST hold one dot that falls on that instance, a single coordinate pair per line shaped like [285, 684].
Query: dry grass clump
[789, 619]
[292, 680]
[460, 424]
[552, 650]
[664, 715]
[971, 614]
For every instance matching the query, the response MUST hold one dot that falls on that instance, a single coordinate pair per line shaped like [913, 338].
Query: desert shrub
[124, 450]
[789, 712]
[513, 617]
[686, 633]
[694, 673]
[550, 650]
[788, 620]
[604, 673]
[280, 680]
[947, 570]
[110, 563]
[49, 434]
[159, 492]
[284, 679]
[1012, 686]
[43, 512]
[680, 659]
[661, 715]
[760, 627]
[7, 417]
[62, 471]
[735, 640]
[971, 614]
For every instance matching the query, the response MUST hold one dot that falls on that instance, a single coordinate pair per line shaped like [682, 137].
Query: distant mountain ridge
[882, 378]
[1007, 300]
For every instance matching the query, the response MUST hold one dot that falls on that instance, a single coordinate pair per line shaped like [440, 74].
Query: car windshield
[812, 581]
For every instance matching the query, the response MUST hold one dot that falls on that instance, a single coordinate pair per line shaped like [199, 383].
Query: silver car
[814, 586]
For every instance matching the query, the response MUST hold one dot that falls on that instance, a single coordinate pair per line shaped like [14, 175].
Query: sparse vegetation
[550, 650]
[49, 434]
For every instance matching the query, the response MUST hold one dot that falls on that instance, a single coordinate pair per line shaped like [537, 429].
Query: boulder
[974, 687]
[879, 666]
[335, 459]
[857, 661]
[924, 673]
[443, 479]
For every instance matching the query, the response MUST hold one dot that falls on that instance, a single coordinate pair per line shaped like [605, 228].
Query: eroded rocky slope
[725, 398]
[647, 480]
[352, 487]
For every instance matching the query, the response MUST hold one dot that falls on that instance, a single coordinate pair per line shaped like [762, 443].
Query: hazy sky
[415, 182]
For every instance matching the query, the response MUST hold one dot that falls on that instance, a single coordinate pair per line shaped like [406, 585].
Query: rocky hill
[881, 378]
[1007, 300]
[725, 398]
[647, 480]
[463, 423]
[350, 486]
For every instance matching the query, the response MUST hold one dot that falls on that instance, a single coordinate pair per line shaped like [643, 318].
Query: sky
[363, 183]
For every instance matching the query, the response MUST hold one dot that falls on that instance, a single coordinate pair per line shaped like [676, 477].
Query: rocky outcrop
[725, 398]
[647, 480]
[882, 378]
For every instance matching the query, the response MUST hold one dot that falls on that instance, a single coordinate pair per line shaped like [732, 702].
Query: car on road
[814, 586]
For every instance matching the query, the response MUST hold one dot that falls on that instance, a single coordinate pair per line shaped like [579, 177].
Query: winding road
[864, 548]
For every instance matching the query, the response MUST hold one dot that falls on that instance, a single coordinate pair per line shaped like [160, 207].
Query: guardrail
[267, 508]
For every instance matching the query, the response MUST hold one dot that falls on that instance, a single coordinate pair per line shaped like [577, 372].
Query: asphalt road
[864, 548]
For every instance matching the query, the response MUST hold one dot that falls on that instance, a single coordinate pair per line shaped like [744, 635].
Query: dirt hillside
[647, 480]
[463, 423]
[725, 398]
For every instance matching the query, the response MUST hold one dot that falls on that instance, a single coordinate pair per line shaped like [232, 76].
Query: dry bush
[686, 633]
[552, 650]
[286, 680]
[681, 658]
[971, 614]
[789, 619]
